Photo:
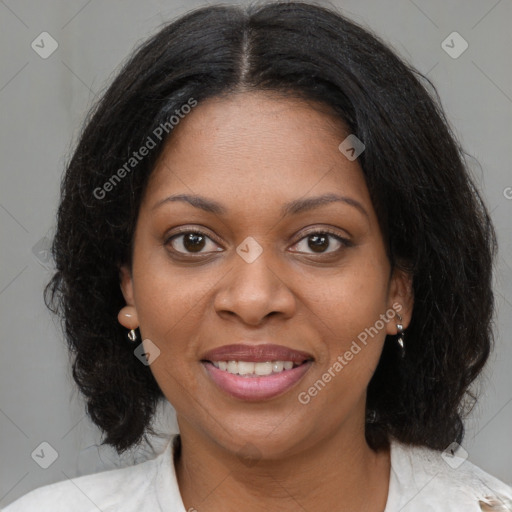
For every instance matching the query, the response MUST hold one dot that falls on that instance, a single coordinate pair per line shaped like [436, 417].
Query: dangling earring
[371, 416]
[127, 317]
[400, 340]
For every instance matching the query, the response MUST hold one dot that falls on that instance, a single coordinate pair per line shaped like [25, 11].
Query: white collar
[420, 480]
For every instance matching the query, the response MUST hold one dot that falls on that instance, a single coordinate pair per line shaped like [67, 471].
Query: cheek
[346, 309]
[349, 300]
[169, 303]
[347, 317]
[170, 308]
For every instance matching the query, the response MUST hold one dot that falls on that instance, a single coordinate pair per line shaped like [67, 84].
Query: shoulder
[442, 481]
[131, 488]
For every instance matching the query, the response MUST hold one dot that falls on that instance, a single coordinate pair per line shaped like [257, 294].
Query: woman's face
[272, 265]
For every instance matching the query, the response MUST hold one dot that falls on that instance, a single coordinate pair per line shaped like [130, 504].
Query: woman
[268, 223]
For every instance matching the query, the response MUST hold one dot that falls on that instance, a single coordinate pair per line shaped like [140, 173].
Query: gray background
[43, 103]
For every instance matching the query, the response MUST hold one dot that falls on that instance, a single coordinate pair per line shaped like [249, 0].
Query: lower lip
[256, 388]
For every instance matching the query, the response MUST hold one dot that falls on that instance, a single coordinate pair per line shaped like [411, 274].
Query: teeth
[277, 366]
[246, 368]
[263, 368]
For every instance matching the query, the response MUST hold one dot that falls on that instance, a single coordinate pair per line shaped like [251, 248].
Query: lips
[256, 353]
[256, 387]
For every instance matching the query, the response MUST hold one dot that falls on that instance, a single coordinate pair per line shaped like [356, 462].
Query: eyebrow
[291, 208]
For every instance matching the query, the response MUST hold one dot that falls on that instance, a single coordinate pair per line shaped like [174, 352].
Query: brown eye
[320, 241]
[191, 242]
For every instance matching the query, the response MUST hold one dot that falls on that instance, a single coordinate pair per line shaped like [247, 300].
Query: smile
[256, 372]
[250, 369]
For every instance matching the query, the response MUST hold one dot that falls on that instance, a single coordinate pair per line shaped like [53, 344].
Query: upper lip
[256, 353]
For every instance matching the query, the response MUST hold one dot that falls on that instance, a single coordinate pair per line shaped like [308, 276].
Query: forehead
[256, 146]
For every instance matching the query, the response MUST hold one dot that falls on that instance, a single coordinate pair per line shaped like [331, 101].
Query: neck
[338, 473]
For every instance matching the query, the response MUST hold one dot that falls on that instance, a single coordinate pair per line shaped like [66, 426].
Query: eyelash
[326, 231]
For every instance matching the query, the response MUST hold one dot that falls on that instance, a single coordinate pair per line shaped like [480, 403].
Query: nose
[254, 291]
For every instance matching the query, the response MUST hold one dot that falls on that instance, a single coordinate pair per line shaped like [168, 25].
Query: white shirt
[421, 480]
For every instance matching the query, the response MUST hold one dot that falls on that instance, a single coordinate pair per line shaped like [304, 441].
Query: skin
[253, 152]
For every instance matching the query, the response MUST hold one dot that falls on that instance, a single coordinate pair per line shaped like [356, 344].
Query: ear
[126, 282]
[127, 317]
[401, 298]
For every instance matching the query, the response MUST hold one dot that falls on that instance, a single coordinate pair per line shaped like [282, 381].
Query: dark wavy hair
[434, 222]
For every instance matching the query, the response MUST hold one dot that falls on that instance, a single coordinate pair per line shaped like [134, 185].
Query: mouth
[256, 372]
